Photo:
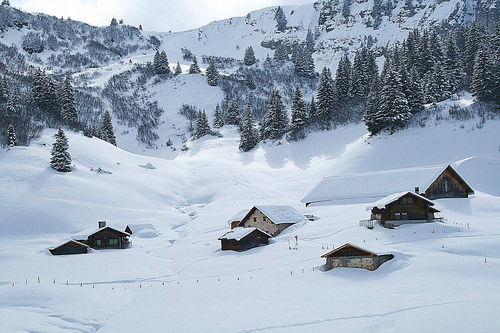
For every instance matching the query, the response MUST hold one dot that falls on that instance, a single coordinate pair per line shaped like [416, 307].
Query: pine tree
[114, 22]
[394, 110]
[346, 8]
[233, 113]
[310, 41]
[280, 20]
[484, 85]
[343, 79]
[415, 92]
[326, 99]
[202, 126]
[377, 13]
[453, 65]
[474, 37]
[178, 69]
[304, 64]
[218, 118]
[11, 136]
[5, 3]
[249, 81]
[372, 109]
[275, 123]
[10, 109]
[67, 102]
[249, 137]
[160, 63]
[212, 75]
[281, 53]
[61, 159]
[299, 117]
[106, 131]
[359, 77]
[4, 93]
[140, 27]
[194, 68]
[249, 58]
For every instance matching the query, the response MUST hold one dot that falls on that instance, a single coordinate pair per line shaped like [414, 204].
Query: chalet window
[113, 241]
[98, 242]
[406, 201]
[397, 216]
[255, 219]
[264, 219]
[404, 216]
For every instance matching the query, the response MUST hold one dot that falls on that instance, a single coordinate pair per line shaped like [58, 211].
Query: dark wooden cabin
[352, 256]
[403, 208]
[70, 247]
[108, 238]
[449, 184]
[242, 239]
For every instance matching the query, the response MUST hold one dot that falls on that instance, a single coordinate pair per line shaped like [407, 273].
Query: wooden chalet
[402, 208]
[272, 219]
[242, 239]
[70, 247]
[433, 182]
[108, 238]
[352, 256]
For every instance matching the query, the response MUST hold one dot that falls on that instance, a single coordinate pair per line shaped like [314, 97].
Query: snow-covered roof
[371, 186]
[239, 232]
[70, 241]
[282, 214]
[238, 216]
[332, 252]
[90, 232]
[381, 203]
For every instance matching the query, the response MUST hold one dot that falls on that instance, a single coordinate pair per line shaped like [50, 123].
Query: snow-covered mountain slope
[438, 271]
[335, 32]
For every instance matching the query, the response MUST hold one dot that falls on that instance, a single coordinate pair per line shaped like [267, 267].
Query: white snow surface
[444, 277]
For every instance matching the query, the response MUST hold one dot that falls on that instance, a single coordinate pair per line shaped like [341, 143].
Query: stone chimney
[417, 190]
[102, 224]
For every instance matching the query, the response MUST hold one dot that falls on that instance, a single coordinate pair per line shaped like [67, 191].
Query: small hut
[108, 238]
[70, 247]
[352, 256]
[242, 239]
[402, 208]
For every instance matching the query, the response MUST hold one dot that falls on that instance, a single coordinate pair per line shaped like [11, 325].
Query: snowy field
[174, 278]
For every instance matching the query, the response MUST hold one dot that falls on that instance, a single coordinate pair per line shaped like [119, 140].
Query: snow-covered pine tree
[343, 79]
[281, 53]
[218, 117]
[372, 108]
[346, 8]
[415, 92]
[178, 69]
[310, 41]
[304, 65]
[11, 136]
[249, 136]
[440, 86]
[67, 103]
[280, 20]
[212, 75]
[453, 65]
[249, 81]
[114, 22]
[326, 100]
[202, 126]
[474, 38]
[61, 159]
[275, 123]
[4, 93]
[10, 109]
[394, 110]
[106, 131]
[156, 61]
[49, 103]
[299, 117]
[485, 85]
[233, 113]
[140, 27]
[249, 58]
[164, 65]
[376, 13]
[194, 68]
[5, 3]
[359, 77]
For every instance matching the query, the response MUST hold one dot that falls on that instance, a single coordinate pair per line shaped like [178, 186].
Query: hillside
[438, 266]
